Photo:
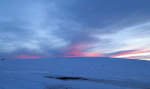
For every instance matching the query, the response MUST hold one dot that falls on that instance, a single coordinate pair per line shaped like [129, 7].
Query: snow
[102, 73]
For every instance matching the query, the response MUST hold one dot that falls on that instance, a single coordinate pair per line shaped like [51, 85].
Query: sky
[31, 29]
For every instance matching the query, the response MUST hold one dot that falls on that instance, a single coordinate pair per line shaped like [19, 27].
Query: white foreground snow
[102, 73]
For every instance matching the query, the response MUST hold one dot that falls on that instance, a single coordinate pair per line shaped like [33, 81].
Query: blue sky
[75, 28]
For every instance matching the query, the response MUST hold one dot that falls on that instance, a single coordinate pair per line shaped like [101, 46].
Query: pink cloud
[79, 50]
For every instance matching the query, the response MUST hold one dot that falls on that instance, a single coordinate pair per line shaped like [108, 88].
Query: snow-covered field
[80, 73]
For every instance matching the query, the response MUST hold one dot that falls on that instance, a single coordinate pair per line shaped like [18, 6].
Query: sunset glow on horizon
[26, 57]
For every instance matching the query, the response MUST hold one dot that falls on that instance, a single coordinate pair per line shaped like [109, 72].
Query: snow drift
[75, 73]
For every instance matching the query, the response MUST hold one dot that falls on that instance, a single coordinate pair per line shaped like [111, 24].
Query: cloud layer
[74, 28]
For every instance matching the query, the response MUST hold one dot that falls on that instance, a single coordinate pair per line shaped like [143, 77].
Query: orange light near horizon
[147, 59]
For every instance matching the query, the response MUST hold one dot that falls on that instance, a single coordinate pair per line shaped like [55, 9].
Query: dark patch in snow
[2, 59]
[106, 81]
[67, 78]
